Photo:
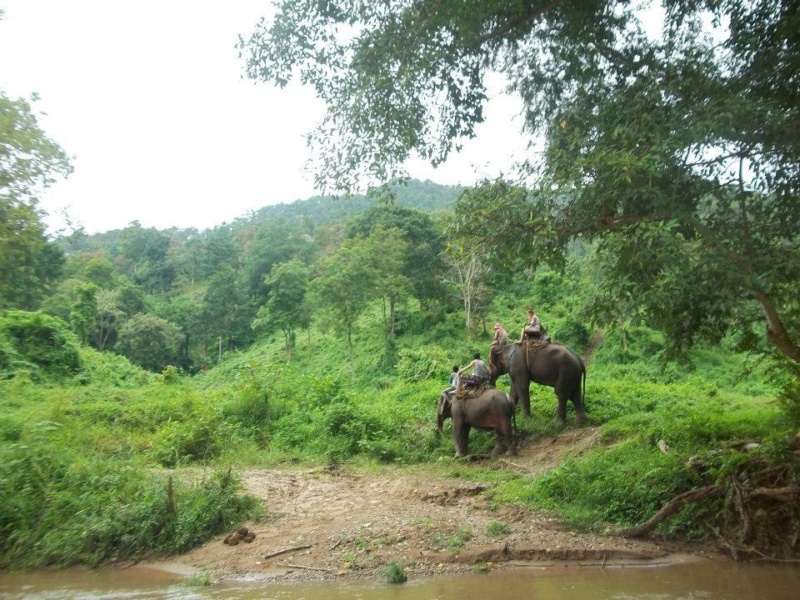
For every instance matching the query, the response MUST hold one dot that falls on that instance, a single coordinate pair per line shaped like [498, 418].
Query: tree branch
[509, 26]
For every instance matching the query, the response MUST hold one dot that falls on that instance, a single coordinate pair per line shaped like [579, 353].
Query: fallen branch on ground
[515, 465]
[285, 550]
[309, 568]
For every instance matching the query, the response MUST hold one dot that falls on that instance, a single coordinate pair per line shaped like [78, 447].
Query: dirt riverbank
[338, 523]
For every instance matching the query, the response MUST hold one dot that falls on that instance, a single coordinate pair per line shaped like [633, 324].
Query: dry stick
[336, 545]
[284, 551]
[738, 501]
[309, 568]
[508, 462]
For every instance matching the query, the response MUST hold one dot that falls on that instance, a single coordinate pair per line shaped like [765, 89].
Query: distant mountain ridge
[425, 196]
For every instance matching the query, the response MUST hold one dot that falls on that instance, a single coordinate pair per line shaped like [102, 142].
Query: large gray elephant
[555, 365]
[492, 410]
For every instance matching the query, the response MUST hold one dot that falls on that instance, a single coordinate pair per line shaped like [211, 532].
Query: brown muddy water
[691, 581]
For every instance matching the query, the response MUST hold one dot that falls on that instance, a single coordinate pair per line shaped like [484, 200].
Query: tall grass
[62, 508]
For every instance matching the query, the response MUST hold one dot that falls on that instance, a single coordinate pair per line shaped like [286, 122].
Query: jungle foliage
[108, 427]
[315, 333]
[671, 140]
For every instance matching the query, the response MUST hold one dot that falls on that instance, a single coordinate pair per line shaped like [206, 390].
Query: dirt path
[335, 523]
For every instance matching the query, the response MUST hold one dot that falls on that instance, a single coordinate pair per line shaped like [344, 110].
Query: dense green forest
[323, 330]
[281, 340]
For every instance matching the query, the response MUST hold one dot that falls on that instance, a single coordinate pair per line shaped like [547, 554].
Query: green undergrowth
[62, 507]
[673, 443]
[84, 461]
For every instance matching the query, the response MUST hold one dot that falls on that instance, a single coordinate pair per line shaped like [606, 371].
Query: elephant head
[499, 360]
[444, 410]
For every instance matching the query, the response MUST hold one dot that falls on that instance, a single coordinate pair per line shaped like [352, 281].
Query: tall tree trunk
[392, 302]
[352, 352]
[776, 332]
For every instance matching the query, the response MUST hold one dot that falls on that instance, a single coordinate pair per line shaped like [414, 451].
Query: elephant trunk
[442, 411]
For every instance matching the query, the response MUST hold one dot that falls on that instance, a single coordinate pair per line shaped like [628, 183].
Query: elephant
[491, 410]
[554, 365]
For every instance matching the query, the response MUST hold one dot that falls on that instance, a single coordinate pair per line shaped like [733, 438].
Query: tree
[468, 274]
[344, 285]
[676, 155]
[83, 314]
[29, 162]
[227, 313]
[390, 253]
[149, 341]
[145, 253]
[100, 271]
[425, 243]
[109, 316]
[266, 245]
[286, 307]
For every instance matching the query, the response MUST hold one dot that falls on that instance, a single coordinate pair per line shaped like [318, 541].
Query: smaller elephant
[492, 410]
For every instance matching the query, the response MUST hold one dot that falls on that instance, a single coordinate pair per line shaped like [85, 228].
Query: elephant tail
[583, 384]
[513, 414]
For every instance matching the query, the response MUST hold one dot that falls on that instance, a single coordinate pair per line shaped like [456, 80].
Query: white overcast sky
[149, 100]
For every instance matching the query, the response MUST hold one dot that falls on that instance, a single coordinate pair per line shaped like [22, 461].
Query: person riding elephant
[533, 329]
[492, 410]
[554, 365]
[500, 337]
[480, 373]
[454, 377]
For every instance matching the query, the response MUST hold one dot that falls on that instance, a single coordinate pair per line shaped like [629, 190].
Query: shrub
[572, 333]
[194, 440]
[37, 342]
[110, 369]
[431, 362]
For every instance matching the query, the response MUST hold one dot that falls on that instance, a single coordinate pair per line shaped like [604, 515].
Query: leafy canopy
[676, 154]
[29, 162]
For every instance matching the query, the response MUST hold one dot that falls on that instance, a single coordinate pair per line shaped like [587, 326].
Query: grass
[498, 528]
[394, 573]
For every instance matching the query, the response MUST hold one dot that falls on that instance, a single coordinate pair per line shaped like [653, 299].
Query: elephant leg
[561, 412]
[505, 436]
[522, 392]
[500, 439]
[580, 409]
[461, 439]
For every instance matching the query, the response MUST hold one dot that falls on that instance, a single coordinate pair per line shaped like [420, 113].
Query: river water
[691, 581]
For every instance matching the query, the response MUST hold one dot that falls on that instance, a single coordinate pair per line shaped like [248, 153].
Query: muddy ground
[335, 523]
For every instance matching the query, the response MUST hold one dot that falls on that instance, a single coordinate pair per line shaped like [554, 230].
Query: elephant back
[466, 392]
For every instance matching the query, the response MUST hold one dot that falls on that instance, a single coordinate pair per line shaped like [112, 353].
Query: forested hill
[425, 196]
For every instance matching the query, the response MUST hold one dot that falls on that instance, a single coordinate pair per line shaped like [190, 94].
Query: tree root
[740, 497]
[671, 507]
